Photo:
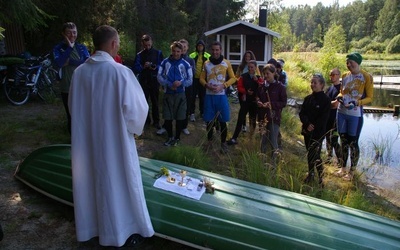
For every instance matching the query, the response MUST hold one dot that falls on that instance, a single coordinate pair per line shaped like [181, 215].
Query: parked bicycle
[36, 76]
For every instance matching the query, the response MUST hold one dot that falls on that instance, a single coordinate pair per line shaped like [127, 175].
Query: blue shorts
[216, 106]
[347, 124]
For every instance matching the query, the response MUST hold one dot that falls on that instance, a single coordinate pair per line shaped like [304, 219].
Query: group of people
[108, 196]
[336, 113]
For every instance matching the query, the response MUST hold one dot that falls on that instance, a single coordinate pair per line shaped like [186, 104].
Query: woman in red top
[247, 88]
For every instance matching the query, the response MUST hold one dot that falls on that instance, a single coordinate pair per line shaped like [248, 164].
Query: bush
[394, 45]
[358, 45]
[374, 47]
[312, 47]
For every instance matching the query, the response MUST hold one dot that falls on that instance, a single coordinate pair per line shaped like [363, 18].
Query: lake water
[379, 67]
[380, 143]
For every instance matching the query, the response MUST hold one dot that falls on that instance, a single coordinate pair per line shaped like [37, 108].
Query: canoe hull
[239, 215]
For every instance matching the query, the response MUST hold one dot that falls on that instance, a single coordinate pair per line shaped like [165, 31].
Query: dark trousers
[313, 147]
[200, 91]
[245, 107]
[178, 128]
[332, 139]
[152, 93]
[349, 146]
[222, 127]
[64, 98]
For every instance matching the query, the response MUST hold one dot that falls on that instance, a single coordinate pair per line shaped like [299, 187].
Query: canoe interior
[239, 215]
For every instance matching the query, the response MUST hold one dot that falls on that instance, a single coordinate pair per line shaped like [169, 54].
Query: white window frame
[229, 53]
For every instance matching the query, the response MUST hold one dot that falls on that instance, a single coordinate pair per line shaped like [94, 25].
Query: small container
[200, 186]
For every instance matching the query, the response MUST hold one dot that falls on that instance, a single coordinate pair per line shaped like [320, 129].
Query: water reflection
[380, 143]
[380, 150]
[381, 67]
[384, 97]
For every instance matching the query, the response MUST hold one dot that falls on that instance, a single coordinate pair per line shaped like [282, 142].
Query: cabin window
[234, 48]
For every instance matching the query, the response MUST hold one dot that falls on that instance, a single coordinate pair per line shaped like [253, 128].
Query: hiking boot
[224, 148]
[232, 142]
[192, 118]
[161, 131]
[186, 131]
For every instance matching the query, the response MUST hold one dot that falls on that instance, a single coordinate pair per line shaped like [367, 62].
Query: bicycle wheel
[45, 89]
[16, 90]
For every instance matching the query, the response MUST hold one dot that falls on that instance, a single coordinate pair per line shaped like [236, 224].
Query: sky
[288, 3]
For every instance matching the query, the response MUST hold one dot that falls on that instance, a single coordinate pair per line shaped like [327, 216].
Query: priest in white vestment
[107, 107]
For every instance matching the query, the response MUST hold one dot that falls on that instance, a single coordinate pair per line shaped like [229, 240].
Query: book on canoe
[238, 215]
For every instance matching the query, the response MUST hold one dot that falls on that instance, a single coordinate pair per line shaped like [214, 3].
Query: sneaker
[161, 131]
[348, 177]
[186, 131]
[232, 142]
[341, 172]
[169, 141]
[244, 128]
[224, 148]
[192, 118]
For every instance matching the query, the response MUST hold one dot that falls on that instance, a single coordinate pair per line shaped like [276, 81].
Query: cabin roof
[247, 24]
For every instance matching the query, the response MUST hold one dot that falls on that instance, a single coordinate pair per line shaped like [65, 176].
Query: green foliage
[290, 123]
[357, 45]
[394, 45]
[25, 13]
[387, 25]
[185, 155]
[327, 62]
[334, 40]
[358, 29]
[127, 46]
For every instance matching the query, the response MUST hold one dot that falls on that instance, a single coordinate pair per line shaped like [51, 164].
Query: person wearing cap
[199, 56]
[282, 76]
[357, 90]
[146, 66]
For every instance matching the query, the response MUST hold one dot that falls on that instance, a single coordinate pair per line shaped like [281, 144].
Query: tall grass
[186, 155]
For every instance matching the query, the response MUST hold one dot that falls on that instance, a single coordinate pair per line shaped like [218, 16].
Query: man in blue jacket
[175, 75]
[68, 55]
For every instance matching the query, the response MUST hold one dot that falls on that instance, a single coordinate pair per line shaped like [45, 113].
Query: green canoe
[239, 215]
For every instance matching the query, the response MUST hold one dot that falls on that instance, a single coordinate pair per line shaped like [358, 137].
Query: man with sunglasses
[332, 136]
